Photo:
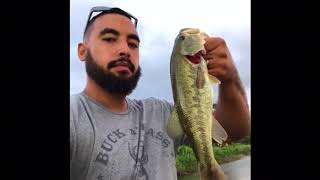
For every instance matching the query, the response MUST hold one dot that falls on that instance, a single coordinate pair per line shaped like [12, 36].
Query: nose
[123, 49]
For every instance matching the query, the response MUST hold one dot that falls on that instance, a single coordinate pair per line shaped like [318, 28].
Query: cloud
[77, 72]
[159, 23]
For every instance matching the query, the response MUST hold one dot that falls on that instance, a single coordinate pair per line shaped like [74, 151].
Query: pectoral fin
[214, 80]
[174, 128]
[218, 132]
[200, 78]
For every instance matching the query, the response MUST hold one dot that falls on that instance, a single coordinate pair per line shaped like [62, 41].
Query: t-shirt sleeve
[72, 135]
[183, 140]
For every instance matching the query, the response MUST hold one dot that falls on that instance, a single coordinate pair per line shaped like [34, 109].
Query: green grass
[186, 162]
[231, 152]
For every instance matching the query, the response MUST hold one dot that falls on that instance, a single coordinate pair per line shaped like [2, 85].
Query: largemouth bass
[193, 101]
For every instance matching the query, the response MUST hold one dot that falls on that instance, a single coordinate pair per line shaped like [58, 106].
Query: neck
[116, 103]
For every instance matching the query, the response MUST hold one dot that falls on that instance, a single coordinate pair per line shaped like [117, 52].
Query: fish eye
[182, 37]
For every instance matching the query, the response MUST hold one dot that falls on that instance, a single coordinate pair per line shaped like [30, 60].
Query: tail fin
[215, 173]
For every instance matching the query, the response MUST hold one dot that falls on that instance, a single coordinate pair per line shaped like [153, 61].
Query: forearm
[232, 110]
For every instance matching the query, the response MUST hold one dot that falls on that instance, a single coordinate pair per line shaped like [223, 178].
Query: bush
[231, 150]
[186, 162]
[185, 159]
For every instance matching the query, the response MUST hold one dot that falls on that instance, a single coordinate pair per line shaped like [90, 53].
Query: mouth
[122, 66]
[196, 58]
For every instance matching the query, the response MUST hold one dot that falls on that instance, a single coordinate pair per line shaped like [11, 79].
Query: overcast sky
[159, 23]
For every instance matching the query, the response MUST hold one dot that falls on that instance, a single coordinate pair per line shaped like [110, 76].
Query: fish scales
[192, 94]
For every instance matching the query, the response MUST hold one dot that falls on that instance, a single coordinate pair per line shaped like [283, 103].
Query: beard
[108, 81]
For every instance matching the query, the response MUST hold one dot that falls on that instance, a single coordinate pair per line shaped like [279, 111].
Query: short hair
[110, 11]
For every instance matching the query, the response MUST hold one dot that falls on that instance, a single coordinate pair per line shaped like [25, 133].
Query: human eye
[109, 39]
[133, 45]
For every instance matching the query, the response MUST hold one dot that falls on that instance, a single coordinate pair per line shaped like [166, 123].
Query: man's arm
[232, 110]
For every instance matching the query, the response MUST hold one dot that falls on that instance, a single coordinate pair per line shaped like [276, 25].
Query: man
[114, 137]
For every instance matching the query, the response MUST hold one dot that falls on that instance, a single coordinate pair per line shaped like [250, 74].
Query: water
[192, 177]
[236, 170]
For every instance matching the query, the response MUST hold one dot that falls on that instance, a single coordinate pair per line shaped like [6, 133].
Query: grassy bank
[186, 162]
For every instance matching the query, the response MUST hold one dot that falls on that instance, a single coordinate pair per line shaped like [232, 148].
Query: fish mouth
[196, 58]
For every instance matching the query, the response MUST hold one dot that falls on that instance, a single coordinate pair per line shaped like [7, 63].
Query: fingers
[221, 68]
[215, 47]
[220, 51]
[213, 42]
[216, 63]
[219, 60]
[218, 73]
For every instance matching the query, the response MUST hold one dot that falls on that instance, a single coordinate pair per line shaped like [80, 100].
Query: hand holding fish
[232, 111]
[219, 60]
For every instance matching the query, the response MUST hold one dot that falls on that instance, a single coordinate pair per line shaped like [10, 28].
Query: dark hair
[110, 11]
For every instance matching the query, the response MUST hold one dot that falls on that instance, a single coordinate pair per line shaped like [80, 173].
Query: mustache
[122, 60]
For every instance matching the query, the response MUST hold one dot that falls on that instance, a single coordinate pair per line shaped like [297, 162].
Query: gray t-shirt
[111, 146]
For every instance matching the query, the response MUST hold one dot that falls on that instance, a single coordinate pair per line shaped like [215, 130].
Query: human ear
[82, 51]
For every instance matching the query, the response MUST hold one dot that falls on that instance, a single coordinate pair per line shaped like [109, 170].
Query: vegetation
[186, 162]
